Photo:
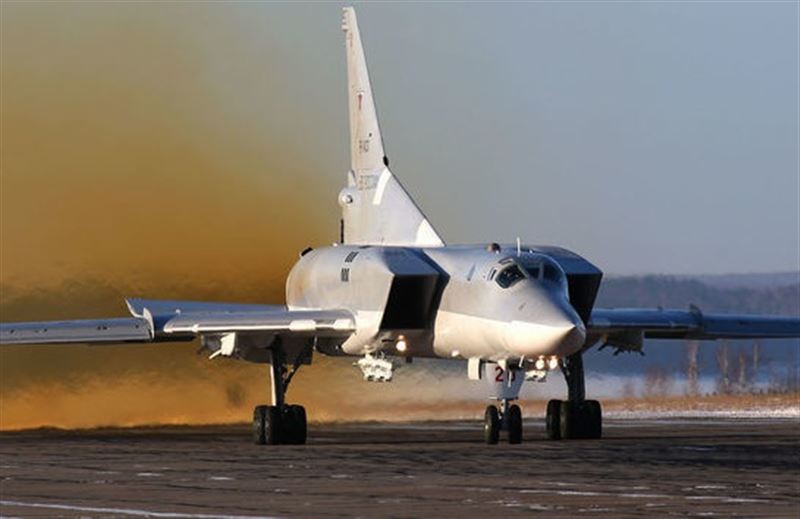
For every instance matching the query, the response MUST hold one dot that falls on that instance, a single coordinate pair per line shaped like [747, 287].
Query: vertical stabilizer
[376, 210]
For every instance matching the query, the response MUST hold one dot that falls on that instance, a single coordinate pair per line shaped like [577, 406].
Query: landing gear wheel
[553, 420]
[581, 419]
[594, 415]
[266, 423]
[514, 421]
[259, 424]
[294, 425]
[569, 421]
[491, 425]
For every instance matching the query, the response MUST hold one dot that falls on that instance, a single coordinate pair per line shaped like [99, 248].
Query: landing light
[552, 363]
[539, 364]
[401, 345]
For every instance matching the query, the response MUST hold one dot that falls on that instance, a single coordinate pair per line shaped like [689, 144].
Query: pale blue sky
[659, 137]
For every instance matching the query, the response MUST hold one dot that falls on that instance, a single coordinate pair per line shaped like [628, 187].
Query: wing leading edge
[83, 331]
[174, 321]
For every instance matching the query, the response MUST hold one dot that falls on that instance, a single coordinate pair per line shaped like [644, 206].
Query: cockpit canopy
[509, 275]
[537, 267]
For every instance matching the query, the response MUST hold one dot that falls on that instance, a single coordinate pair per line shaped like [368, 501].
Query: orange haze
[155, 151]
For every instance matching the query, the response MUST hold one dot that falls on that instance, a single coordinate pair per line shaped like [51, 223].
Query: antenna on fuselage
[519, 247]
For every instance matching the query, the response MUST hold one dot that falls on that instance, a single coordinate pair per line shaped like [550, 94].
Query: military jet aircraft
[392, 289]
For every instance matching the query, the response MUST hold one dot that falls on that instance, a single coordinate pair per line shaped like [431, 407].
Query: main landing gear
[279, 423]
[576, 417]
[508, 418]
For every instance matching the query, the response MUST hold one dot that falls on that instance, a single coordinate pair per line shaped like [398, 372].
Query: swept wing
[625, 328]
[160, 321]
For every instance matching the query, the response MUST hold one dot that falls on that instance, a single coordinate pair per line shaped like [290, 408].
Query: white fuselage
[449, 302]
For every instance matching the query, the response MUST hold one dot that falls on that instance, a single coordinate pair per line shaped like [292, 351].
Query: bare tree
[754, 370]
[741, 375]
[787, 381]
[657, 382]
[724, 382]
[693, 388]
[628, 389]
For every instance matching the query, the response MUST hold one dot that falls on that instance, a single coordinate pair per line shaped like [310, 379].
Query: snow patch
[780, 412]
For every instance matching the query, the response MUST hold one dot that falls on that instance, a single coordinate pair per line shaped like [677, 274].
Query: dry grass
[473, 409]
[732, 402]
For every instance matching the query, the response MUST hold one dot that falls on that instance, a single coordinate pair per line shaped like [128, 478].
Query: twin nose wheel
[279, 425]
[493, 423]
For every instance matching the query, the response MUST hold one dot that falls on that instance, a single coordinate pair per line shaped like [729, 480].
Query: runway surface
[644, 468]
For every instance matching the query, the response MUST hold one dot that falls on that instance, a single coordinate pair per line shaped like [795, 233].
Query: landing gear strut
[576, 417]
[280, 423]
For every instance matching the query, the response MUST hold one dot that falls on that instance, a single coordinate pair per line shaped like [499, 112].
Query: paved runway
[644, 468]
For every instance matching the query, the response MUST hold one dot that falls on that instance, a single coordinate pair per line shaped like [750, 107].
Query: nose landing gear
[506, 382]
[509, 419]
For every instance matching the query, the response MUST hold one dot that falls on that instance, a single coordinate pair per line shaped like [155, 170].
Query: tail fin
[376, 210]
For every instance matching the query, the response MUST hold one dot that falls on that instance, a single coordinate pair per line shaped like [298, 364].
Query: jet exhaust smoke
[138, 159]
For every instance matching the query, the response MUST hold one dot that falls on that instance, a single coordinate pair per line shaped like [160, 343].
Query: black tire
[553, 420]
[287, 426]
[491, 425]
[581, 420]
[514, 425]
[594, 419]
[572, 421]
[259, 424]
[273, 426]
[295, 425]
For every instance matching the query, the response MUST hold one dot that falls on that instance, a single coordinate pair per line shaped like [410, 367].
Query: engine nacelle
[390, 290]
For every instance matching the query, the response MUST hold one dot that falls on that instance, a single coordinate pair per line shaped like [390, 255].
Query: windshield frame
[544, 269]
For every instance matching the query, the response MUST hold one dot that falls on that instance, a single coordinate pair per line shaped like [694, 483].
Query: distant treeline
[673, 292]
[766, 294]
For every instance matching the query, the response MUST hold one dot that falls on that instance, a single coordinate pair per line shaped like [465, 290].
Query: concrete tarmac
[642, 468]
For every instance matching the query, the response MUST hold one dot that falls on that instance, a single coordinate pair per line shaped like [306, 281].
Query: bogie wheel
[573, 421]
[553, 420]
[274, 425]
[266, 425]
[259, 424]
[491, 425]
[301, 424]
[594, 419]
[295, 425]
[514, 424]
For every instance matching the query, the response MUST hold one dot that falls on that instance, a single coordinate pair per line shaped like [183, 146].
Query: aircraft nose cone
[552, 330]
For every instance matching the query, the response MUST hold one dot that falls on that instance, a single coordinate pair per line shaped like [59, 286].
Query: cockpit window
[543, 268]
[509, 275]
